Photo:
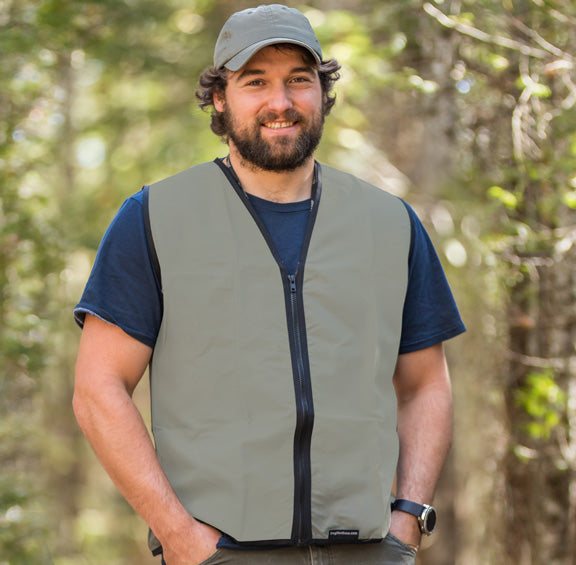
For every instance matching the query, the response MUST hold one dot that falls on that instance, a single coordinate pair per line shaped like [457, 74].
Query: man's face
[273, 108]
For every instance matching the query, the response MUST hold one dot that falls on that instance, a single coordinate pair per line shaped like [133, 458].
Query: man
[296, 315]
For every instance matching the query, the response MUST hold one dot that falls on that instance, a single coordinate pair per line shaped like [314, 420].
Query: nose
[280, 99]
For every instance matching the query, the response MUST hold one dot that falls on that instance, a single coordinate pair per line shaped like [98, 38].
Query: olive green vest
[273, 408]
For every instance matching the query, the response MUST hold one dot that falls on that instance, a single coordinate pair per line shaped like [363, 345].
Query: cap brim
[239, 60]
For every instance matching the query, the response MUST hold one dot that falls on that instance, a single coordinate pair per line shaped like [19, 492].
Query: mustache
[289, 115]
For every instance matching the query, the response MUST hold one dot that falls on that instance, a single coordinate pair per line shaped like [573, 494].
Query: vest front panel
[223, 400]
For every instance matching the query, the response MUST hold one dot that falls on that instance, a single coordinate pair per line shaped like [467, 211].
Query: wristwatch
[426, 514]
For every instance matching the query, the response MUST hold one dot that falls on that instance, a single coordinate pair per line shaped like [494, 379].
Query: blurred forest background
[465, 108]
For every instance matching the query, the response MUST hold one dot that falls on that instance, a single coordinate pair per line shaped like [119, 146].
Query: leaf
[570, 199]
[509, 199]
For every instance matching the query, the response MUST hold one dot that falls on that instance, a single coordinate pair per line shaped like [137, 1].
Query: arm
[424, 397]
[110, 365]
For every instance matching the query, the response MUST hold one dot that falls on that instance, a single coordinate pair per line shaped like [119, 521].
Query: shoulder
[353, 182]
[127, 217]
[374, 197]
[182, 178]
[130, 207]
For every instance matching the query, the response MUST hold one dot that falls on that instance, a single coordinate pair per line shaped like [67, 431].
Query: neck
[276, 186]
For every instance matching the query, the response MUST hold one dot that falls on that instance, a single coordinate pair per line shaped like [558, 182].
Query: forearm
[424, 429]
[425, 434]
[117, 433]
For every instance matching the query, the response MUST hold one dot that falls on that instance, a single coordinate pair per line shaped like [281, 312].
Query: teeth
[279, 125]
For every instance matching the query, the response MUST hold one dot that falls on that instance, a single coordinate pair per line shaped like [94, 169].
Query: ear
[219, 101]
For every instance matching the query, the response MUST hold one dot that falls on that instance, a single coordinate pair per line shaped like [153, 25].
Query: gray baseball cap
[250, 30]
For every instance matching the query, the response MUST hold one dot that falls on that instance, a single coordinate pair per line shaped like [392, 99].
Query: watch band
[408, 506]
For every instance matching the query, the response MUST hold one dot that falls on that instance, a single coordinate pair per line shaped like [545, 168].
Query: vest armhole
[149, 238]
[412, 231]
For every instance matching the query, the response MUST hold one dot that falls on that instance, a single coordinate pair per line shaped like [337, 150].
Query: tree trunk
[540, 466]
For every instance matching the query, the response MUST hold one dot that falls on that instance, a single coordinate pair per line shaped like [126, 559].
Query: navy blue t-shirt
[123, 288]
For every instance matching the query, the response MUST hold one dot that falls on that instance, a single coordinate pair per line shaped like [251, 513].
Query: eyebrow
[259, 72]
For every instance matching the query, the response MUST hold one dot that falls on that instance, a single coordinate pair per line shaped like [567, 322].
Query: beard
[284, 153]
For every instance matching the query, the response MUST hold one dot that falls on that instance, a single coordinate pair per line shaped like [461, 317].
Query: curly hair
[213, 81]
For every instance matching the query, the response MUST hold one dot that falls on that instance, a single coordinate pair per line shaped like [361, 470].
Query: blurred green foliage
[544, 402]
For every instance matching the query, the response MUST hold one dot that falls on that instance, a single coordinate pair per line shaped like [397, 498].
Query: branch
[570, 100]
[558, 363]
[471, 31]
[541, 41]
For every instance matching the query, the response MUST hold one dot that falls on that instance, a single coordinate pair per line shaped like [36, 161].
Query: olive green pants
[390, 551]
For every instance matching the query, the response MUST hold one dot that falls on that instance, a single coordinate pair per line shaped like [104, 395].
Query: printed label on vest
[343, 536]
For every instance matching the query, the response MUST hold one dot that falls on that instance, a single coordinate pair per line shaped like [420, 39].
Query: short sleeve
[122, 288]
[430, 313]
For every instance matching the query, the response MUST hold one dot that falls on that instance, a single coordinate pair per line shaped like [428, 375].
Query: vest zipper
[302, 514]
[302, 519]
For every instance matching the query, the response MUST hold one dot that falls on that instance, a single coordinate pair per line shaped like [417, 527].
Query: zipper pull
[292, 279]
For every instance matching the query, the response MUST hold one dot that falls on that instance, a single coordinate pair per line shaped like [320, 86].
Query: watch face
[430, 520]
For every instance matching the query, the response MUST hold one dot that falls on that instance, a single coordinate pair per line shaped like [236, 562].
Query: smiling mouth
[278, 125]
